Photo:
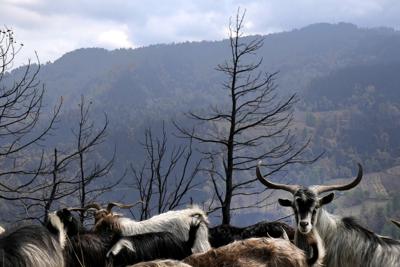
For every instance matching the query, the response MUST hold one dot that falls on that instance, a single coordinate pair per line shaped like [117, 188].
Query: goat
[161, 263]
[87, 248]
[2, 230]
[224, 234]
[253, 252]
[83, 247]
[34, 245]
[176, 222]
[346, 242]
[152, 246]
[101, 212]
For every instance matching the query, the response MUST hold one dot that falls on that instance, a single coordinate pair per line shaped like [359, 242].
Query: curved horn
[397, 223]
[93, 206]
[119, 205]
[284, 234]
[290, 188]
[341, 187]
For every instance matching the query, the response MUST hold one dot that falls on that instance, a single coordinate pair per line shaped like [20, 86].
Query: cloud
[114, 39]
[180, 26]
[61, 34]
[56, 27]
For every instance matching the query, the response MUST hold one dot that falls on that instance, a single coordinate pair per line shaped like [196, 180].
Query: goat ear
[326, 199]
[285, 202]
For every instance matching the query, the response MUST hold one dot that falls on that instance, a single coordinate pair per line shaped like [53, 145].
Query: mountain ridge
[334, 68]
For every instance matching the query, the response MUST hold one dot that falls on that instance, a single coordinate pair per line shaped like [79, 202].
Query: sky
[54, 27]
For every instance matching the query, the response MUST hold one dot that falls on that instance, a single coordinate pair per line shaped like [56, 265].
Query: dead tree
[252, 125]
[75, 174]
[50, 188]
[87, 139]
[166, 177]
[21, 124]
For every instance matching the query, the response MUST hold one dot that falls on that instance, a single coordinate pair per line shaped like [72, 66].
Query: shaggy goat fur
[176, 222]
[224, 234]
[33, 245]
[88, 249]
[312, 245]
[151, 246]
[161, 263]
[347, 244]
[253, 252]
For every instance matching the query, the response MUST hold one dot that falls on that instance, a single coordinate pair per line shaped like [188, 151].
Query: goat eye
[314, 212]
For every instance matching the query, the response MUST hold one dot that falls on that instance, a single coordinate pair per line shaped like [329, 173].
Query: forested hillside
[347, 80]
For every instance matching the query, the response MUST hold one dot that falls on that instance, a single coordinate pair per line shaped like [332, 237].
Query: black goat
[84, 247]
[87, 250]
[224, 234]
[151, 246]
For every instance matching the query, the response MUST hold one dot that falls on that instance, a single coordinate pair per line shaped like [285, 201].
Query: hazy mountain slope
[356, 113]
[346, 77]
[188, 68]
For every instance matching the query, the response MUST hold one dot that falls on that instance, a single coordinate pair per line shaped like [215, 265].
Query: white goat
[347, 244]
[176, 222]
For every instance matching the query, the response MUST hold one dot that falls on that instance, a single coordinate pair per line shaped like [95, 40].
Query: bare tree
[20, 125]
[75, 174]
[254, 126]
[87, 140]
[52, 186]
[166, 177]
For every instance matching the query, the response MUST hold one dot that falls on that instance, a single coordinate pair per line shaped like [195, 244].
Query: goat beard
[302, 241]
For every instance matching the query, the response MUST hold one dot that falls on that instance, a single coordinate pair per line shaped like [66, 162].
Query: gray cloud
[55, 27]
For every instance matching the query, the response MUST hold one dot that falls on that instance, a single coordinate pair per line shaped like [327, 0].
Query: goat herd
[182, 238]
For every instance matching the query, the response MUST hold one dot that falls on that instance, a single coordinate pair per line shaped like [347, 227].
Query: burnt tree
[76, 173]
[21, 121]
[166, 177]
[89, 171]
[253, 124]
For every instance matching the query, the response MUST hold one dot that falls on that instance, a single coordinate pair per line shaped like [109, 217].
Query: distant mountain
[358, 113]
[346, 76]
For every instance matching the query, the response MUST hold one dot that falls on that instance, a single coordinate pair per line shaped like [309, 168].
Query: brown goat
[101, 212]
[253, 252]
